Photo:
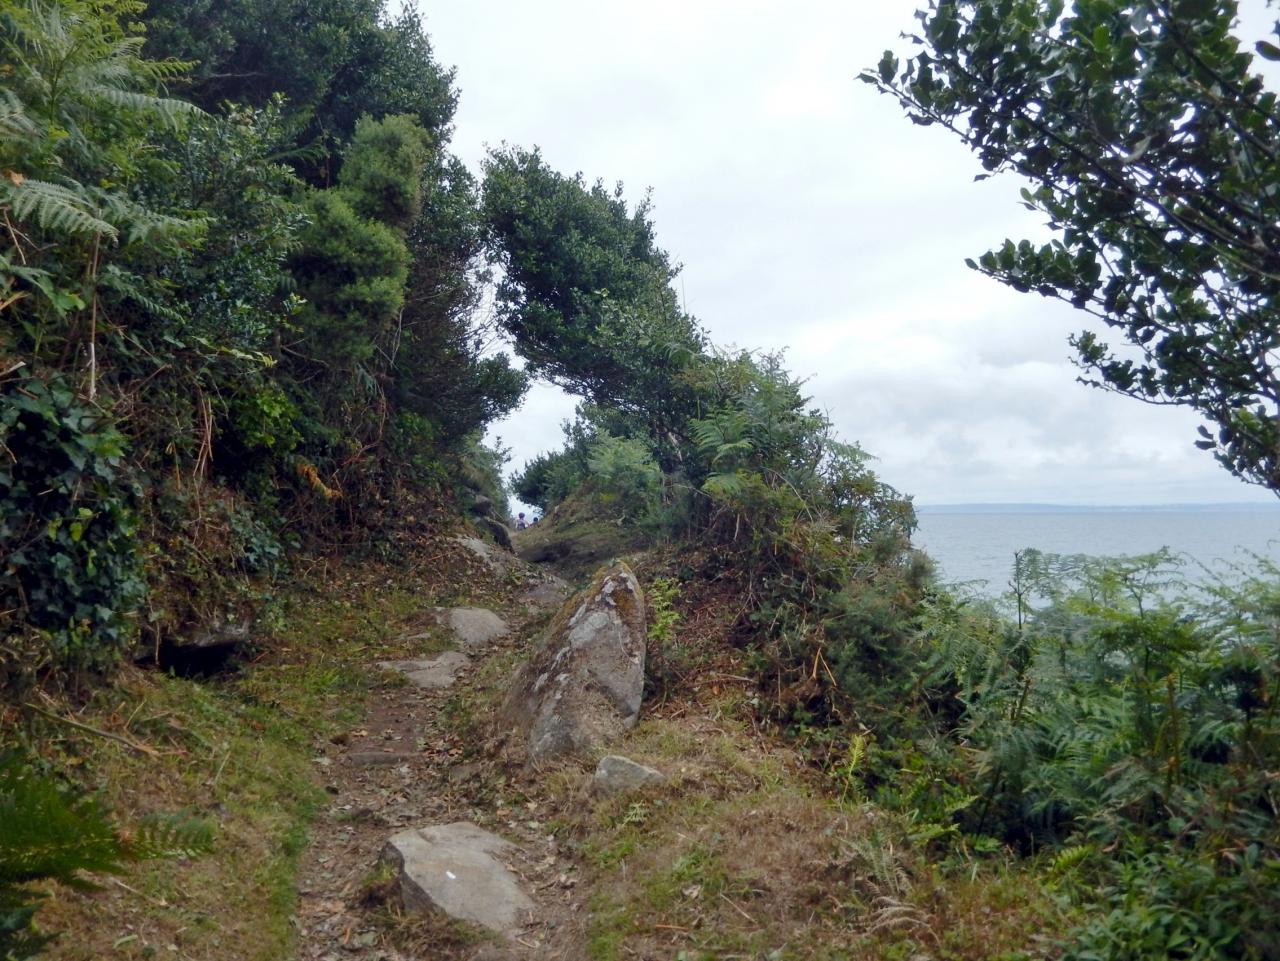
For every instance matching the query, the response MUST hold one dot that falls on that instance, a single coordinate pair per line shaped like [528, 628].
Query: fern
[51, 834]
[14, 122]
[1069, 859]
[48, 836]
[168, 836]
[723, 487]
[56, 208]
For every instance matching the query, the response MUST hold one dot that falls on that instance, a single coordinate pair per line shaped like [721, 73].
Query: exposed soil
[419, 758]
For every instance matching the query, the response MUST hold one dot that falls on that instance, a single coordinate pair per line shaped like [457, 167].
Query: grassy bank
[237, 751]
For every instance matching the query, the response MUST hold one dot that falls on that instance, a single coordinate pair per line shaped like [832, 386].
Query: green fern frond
[48, 835]
[15, 124]
[54, 207]
[1069, 859]
[724, 486]
[166, 108]
[169, 836]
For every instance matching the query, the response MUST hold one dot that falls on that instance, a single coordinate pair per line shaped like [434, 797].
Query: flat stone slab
[473, 626]
[432, 673]
[379, 758]
[618, 775]
[457, 868]
[546, 593]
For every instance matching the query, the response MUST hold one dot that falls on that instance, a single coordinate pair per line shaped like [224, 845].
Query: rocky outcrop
[621, 775]
[207, 650]
[499, 531]
[459, 869]
[583, 683]
[496, 559]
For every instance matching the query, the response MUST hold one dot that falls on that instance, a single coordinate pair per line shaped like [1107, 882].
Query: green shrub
[625, 476]
[70, 566]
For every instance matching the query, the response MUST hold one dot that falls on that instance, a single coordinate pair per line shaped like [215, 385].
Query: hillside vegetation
[243, 376]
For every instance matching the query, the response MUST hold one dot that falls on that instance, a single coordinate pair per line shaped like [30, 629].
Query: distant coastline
[1220, 508]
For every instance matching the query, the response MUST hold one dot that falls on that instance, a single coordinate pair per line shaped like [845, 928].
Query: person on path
[521, 523]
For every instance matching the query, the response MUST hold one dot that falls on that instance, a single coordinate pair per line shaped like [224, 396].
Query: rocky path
[419, 813]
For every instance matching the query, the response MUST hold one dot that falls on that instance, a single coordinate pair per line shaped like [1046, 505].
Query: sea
[974, 544]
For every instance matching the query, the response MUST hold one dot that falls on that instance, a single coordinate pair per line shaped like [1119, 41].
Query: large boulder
[459, 869]
[582, 685]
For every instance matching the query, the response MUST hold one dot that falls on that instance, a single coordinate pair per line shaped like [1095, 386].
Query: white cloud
[811, 215]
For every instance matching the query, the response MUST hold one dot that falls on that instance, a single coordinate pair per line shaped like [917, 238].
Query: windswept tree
[586, 292]
[1153, 149]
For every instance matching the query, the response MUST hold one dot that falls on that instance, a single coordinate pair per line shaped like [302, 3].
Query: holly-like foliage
[1153, 148]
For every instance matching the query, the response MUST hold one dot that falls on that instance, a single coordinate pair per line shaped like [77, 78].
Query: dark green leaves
[586, 293]
[70, 562]
[1154, 151]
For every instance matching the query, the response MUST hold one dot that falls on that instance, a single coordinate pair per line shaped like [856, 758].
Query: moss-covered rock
[583, 684]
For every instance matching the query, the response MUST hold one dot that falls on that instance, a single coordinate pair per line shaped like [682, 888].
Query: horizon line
[1149, 505]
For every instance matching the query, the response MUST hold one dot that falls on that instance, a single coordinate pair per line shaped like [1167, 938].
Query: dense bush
[1127, 721]
[252, 347]
[68, 522]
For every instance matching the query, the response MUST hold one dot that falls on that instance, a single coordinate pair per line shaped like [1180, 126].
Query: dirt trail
[417, 760]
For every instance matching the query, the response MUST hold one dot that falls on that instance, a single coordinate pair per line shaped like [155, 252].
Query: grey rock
[219, 634]
[432, 673]
[472, 626]
[583, 683]
[379, 758]
[547, 592]
[499, 531]
[618, 775]
[499, 561]
[458, 869]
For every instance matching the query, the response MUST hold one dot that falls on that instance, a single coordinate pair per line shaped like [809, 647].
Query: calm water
[979, 545]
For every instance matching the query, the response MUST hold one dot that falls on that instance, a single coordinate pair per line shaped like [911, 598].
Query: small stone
[618, 775]
[473, 626]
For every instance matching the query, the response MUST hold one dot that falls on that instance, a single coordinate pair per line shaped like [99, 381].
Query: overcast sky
[811, 216]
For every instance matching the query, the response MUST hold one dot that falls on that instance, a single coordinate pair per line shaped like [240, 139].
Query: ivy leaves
[67, 522]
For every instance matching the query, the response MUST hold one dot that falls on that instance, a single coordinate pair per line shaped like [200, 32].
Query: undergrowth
[235, 753]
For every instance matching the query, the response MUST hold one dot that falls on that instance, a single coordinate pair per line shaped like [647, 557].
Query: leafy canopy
[586, 292]
[1153, 149]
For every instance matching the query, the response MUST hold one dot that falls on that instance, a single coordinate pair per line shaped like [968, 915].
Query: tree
[333, 60]
[1154, 151]
[586, 292]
